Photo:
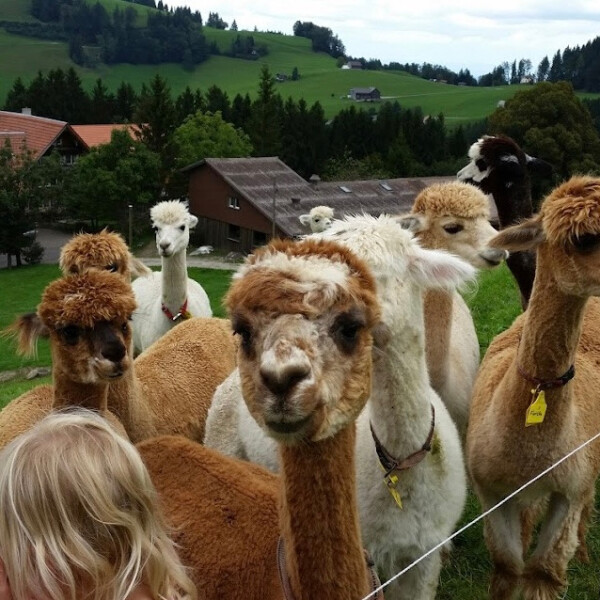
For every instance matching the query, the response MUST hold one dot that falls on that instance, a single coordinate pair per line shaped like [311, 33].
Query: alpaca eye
[481, 164]
[73, 270]
[125, 327]
[317, 220]
[112, 267]
[70, 334]
[244, 331]
[155, 229]
[346, 331]
[182, 227]
[586, 243]
[453, 228]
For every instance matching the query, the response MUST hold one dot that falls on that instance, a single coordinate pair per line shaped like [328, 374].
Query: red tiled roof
[94, 135]
[38, 133]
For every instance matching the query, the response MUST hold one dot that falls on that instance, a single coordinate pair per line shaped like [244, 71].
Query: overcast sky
[468, 34]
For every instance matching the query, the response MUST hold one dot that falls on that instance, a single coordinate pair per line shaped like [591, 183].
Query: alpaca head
[172, 222]
[318, 219]
[497, 164]
[87, 319]
[304, 312]
[402, 269]
[104, 251]
[455, 217]
[566, 235]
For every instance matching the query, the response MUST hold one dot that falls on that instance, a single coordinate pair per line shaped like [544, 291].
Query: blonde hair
[79, 513]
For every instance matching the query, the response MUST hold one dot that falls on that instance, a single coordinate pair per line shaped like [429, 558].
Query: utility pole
[131, 226]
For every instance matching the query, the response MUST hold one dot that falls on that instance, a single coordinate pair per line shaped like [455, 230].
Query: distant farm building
[366, 94]
[353, 64]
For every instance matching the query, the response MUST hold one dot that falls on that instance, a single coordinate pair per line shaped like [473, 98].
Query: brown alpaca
[105, 251]
[453, 217]
[304, 312]
[559, 331]
[87, 320]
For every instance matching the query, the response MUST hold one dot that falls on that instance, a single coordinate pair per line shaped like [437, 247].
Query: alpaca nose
[164, 245]
[282, 379]
[114, 351]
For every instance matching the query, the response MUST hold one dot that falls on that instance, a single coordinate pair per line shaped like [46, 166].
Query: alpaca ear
[436, 269]
[413, 222]
[192, 221]
[539, 166]
[27, 329]
[137, 267]
[525, 236]
[305, 220]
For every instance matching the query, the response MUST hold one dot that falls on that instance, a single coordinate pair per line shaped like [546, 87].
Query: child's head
[79, 516]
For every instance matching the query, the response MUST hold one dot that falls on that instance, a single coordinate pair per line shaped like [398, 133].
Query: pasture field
[494, 303]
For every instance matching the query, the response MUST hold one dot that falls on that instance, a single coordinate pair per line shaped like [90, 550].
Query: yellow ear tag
[537, 409]
[392, 481]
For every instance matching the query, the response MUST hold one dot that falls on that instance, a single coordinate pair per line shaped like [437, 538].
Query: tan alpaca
[304, 312]
[104, 251]
[559, 330]
[453, 217]
[87, 320]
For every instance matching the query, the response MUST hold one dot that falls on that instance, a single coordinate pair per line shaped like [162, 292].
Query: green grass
[320, 79]
[494, 304]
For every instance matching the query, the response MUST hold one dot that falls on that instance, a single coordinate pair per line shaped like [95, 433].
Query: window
[259, 238]
[234, 233]
[234, 202]
[345, 189]
[385, 185]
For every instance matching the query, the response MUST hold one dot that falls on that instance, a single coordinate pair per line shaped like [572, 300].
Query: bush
[33, 253]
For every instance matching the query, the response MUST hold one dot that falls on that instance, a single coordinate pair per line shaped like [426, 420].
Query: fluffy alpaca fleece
[305, 313]
[500, 168]
[453, 217]
[87, 320]
[104, 251]
[318, 219]
[399, 409]
[560, 328]
[170, 288]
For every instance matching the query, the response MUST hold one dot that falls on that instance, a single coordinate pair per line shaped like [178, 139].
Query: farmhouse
[242, 202]
[367, 94]
[39, 136]
[353, 64]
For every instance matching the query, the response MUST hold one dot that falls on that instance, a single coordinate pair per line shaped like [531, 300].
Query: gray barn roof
[258, 180]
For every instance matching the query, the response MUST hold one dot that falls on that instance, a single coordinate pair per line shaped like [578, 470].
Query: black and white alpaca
[501, 168]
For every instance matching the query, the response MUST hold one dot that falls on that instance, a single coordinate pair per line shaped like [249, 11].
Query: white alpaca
[403, 410]
[318, 219]
[165, 298]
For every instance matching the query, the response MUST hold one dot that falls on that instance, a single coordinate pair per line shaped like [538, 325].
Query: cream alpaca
[453, 217]
[304, 312]
[318, 219]
[167, 297]
[558, 332]
[400, 411]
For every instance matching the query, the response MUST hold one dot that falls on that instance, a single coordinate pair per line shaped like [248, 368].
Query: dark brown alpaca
[500, 167]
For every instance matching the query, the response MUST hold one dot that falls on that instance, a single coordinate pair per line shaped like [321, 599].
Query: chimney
[314, 180]
[26, 111]
[295, 201]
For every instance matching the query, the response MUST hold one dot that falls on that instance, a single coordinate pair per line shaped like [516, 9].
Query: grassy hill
[320, 79]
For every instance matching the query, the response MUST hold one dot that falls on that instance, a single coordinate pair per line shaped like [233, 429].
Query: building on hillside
[353, 64]
[366, 94]
[242, 202]
[40, 136]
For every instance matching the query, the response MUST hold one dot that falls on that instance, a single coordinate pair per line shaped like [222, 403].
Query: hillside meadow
[320, 79]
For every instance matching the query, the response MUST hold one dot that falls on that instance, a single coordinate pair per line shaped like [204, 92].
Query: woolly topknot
[455, 198]
[572, 210]
[94, 251]
[169, 212]
[323, 211]
[83, 300]
[304, 277]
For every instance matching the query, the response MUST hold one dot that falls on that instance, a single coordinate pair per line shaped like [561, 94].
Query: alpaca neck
[549, 340]
[174, 281]
[400, 399]
[71, 393]
[513, 204]
[319, 519]
[438, 328]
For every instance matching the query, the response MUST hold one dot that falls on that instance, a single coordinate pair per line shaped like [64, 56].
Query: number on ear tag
[537, 409]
